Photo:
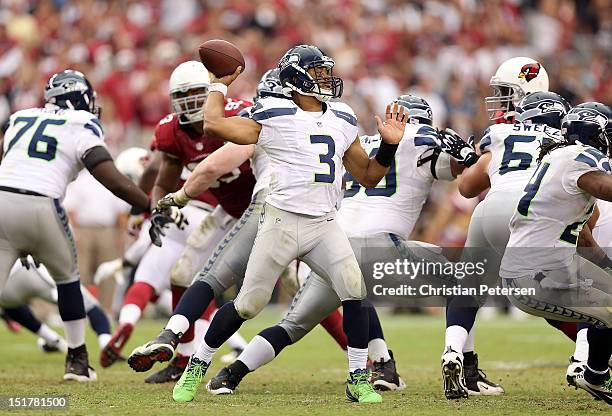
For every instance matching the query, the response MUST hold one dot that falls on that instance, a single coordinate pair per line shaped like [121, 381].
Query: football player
[29, 280]
[228, 263]
[381, 218]
[541, 255]
[43, 151]
[508, 154]
[307, 139]
[181, 140]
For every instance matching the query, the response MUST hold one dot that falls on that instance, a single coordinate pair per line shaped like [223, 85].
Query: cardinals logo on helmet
[530, 71]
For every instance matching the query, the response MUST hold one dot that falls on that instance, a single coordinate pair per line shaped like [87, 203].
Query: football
[221, 57]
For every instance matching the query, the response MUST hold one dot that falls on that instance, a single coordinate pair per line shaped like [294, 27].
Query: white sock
[49, 335]
[357, 358]
[377, 348]
[455, 337]
[178, 324]
[581, 353]
[186, 348]
[205, 353]
[75, 332]
[469, 342]
[103, 340]
[129, 314]
[201, 326]
[257, 353]
[236, 342]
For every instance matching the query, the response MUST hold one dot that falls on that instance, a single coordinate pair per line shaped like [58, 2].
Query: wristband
[181, 198]
[219, 87]
[386, 154]
[470, 159]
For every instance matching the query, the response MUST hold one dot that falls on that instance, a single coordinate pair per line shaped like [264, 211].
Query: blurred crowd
[444, 51]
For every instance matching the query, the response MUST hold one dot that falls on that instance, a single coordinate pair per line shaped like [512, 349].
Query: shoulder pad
[343, 111]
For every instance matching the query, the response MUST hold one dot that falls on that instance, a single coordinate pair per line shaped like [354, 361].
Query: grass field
[528, 357]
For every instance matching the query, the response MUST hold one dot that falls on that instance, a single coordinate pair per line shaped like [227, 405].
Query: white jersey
[552, 212]
[395, 204]
[305, 152]
[43, 149]
[260, 164]
[514, 150]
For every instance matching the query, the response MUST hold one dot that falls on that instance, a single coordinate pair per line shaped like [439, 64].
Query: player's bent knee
[249, 306]
[181, 275]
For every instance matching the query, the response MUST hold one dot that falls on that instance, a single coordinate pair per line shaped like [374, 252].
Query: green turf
[528, 357]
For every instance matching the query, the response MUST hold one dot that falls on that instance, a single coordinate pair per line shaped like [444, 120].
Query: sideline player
[43, 151]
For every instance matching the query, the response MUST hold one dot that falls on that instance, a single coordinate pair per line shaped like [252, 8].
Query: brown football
[221, 57]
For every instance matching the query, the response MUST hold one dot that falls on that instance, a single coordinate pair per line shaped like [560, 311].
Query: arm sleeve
[588, 160]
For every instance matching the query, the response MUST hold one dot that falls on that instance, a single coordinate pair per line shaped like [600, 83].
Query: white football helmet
[513, 80]
[188, 76]
[132, 162]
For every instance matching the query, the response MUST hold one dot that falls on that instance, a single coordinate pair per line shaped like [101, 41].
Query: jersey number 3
[326, 158]
[41, 146]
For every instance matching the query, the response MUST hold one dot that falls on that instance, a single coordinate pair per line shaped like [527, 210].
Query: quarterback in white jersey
[43, 150]
[306, 139]
[541, 267]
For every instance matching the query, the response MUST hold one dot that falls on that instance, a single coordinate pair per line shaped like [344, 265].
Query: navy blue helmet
[70, 89]
[591, 124]
[294, 75]
[419, 111]
[543, 107]
[270, 85]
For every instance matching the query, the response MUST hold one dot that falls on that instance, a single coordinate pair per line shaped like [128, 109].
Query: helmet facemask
[317, 80]
[505, 96]
[188, 105]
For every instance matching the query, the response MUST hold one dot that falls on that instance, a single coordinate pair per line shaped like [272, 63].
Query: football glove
[160, 220]
[25, 262]
[176, 199]
[451, 143]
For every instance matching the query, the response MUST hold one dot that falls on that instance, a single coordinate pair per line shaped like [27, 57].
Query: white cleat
[574, 368]
[452, 375]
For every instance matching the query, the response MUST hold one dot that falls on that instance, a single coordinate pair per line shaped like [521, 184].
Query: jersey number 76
[41, 146]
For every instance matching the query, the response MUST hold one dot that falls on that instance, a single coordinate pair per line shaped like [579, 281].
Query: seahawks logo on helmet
[530, 71]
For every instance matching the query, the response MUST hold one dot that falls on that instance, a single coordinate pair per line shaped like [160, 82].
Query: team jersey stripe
[349, 118]
[94, 130]
[273, 112]
[425, 137]
[97, 123]
[582, 157]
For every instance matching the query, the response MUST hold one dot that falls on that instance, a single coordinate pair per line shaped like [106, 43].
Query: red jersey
[233, 190]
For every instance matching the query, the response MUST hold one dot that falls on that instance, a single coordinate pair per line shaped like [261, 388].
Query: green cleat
[359, 389]
[186, 388]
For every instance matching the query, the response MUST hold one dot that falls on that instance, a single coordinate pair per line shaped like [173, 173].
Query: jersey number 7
[41, 146]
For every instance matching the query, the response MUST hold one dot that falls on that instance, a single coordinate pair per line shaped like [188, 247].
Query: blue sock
[99, 321]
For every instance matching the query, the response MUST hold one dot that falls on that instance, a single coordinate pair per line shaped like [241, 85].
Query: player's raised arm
[369, 172]
[220, 162]
[239, 130]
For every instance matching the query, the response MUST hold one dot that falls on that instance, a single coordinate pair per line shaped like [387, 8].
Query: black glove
[161, 219]
[451, 143]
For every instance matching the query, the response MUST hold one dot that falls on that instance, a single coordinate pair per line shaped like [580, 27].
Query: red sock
[333, 325]
[570, 329]
[139, 294]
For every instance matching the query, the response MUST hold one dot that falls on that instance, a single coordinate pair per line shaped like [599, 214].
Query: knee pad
[354, 284]
[290, 280]
[182, 272]
[248, 306]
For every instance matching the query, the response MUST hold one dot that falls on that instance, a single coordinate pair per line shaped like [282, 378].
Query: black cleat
[385, 376]
[598, 391]
[477, 382]
[227, 379]
[159, 350]
[77, 365]
[172, 372]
